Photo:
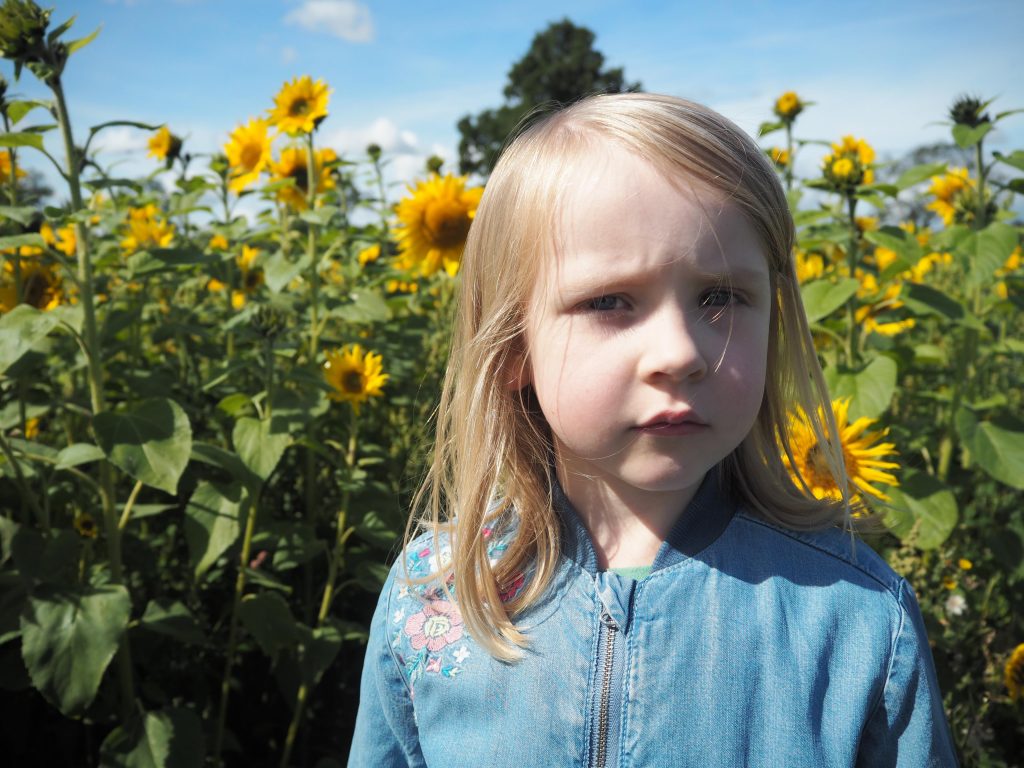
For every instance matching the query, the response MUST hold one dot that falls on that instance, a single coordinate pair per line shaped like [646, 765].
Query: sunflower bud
[23, 40]
[434, 164]
[373, 150]
[268, 322]
[969, 111]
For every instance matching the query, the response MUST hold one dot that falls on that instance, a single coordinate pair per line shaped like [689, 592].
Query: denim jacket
[747, 645]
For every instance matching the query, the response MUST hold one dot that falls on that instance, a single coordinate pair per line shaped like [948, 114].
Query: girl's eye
[605, 303]
[719, 297]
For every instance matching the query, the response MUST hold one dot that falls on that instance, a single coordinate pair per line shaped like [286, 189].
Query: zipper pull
[609, 621]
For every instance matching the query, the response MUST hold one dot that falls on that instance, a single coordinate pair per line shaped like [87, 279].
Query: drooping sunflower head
[248, 153]
[300, 106]
[354, 376]
[164, 145]
[433, 224]
[864, 457]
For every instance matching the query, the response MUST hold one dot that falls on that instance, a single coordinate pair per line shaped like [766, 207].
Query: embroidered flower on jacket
[439, 624]
[509, 591]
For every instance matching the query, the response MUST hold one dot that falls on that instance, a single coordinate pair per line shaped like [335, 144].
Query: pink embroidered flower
[434, 665]
[437, 625]
[512, 589]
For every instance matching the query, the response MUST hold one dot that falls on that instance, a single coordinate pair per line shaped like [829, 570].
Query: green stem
[789, 157]
[852, 356]
[27, 497]
[95, 377]
[229, 661]
[334, 565]
[314, 271]
[127, 511]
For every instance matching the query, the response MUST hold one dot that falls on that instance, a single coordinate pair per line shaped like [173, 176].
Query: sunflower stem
[334, 564]
[852, 355]
[789, 157]
[94, 363]
[27, 497]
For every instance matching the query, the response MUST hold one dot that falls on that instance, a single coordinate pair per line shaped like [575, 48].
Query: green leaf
[259, 447]
[226, 460]
[26, 139]
[769, 127]
[966, 137]
[16, 110]
[269, 619]
[1015, 158]
[156, 260]
[930, 354]
[30, 239]
[925, 300]
[212, 523]
[20, 330]
[80, 43]
[78, 453]
[822, 298]
[365, 307]
[170, 738]
[278, 270]
[318, 649]
[236, 404]
[171, 618]
[68, 637]
[919, 173]
[923, 511]
[22, 214]
[292, 544]
[150, 441]
[997, 447]
[988, 250]
[870, 389]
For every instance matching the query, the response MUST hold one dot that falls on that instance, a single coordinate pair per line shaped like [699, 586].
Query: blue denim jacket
[747, 645]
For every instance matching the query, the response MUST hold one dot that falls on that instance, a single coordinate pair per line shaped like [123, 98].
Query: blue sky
[403, 73]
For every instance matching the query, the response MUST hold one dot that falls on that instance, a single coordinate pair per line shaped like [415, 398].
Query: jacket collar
[705, 519]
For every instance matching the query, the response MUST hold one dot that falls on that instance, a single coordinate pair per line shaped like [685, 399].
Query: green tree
[561, 66]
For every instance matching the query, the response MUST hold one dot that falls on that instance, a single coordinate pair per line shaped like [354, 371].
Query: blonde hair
[493, 449]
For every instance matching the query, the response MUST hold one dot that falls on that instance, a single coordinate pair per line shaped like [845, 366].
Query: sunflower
[849, 163]
[300, 106]
[353, 375]
[146, 229]
[779, 156]
[218, 243]
[1014, 673]
[86, 526]
[63, 239]
[5, 168]
[368, 254]
[293, 165]
[40, 286]
[433, 223]
[252, 276]
[809, 266]
[164, 145]
[248, 151]
[788, 106]
[946, 189]
[863, 456]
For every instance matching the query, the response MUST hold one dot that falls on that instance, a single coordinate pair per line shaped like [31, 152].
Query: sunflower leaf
[988, 249]
[27, 139]
[170, 738]
[258, 445]
[923, 511]
[996, 446]
[870, 388]
[1016, 158]
[269, 620]
[918, 173]
[822, 298]
[150, 441]
[20, 330]
[31, 240]
[966, 137]
[16, 110]
[212, 523]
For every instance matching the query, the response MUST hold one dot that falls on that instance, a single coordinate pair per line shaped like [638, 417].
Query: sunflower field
[211, 424]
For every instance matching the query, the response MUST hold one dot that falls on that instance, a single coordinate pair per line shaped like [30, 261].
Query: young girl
[613, 567]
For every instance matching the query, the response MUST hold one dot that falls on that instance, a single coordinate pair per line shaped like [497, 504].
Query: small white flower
[955, 605]
[399, 615]
[461, 654]
[403, 591]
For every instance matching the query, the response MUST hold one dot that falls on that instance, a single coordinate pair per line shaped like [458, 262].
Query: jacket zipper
[611, 630]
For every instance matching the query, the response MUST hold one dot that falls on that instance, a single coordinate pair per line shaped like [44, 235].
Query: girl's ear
[516, 371]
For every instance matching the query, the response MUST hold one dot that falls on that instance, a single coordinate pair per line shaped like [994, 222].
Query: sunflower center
[352, 382]
[252, 279]
[37, 290]
[301, 175]
[817, 468]
[298, 108]
[447, 223]
[251, 154]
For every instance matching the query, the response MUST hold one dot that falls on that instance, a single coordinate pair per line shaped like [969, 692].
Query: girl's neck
[626, 526]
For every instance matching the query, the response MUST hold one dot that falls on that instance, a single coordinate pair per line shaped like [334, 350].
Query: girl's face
[647, 334]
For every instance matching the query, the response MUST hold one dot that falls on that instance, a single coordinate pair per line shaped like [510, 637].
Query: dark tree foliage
[560, 67]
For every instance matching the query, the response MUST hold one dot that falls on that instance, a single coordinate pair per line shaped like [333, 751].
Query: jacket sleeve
[908, 725]
[385, 732]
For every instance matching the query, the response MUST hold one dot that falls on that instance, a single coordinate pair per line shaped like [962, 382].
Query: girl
[614, 567]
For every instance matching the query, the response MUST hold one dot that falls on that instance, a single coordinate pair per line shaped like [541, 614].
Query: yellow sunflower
[849, 163]
[946, 189]
[1013, 674]
[433, 223]
[788, 106]
[86, 526]
[354, 376]
[293, 165]
[300, 106]
[164, 145]
[5, 168]
[809, 266]
[863, 455]
[248, 151]
[146, 229]
[40, 286]
[779, 156]
[218, 243]
[252, 276]
[368, 254]
[63, 239]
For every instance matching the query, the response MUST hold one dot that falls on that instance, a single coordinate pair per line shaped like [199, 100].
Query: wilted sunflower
[1013, 674]
[300, 105]
[863, 456]
[164, 145]
[40, 286]
[433, 223]
[354, 376]
[293, 165]
[788, 106]
[248, 151]
[147, 229]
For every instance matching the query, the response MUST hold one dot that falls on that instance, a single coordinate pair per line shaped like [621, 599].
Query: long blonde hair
[493, 448]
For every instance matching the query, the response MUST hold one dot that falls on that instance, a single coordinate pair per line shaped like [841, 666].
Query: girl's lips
[675, 423]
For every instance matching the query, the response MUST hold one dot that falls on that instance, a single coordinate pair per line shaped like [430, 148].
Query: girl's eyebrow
[590, 281]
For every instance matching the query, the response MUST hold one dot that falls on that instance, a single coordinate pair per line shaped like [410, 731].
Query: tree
[561, 66]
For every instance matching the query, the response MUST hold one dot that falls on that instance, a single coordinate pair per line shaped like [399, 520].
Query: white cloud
[347, 19]
[288, 54]
[121, 140]
[382, 131]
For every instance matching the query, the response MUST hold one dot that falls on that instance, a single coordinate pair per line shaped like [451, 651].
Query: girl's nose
[672, 350]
